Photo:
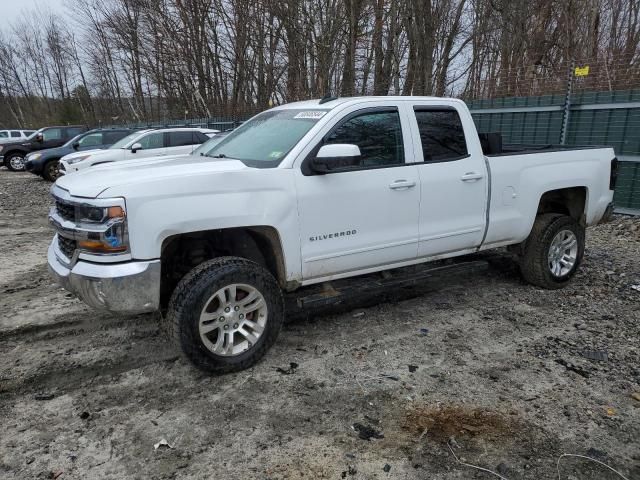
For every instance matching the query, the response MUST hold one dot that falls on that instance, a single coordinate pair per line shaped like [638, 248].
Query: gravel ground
[487, 371]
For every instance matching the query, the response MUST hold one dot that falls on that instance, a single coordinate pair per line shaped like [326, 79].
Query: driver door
[366, 216]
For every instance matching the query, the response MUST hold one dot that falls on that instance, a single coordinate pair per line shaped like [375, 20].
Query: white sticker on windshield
[315, 115]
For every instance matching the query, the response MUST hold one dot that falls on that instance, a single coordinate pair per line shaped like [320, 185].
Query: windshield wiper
[220, 155]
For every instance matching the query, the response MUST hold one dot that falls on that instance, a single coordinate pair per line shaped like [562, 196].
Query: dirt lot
[489, 368]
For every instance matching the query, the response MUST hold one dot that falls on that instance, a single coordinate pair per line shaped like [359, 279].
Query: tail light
[613, 176]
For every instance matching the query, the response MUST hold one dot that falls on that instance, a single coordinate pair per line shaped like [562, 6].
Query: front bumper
[129, 287]
[33, 166]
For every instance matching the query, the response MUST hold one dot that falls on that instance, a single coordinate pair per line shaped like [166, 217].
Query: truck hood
[92, 182]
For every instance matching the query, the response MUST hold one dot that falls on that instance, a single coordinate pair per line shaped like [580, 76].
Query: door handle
[402, 185]
[471, 177]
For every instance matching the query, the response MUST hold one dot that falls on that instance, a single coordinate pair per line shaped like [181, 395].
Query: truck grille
[67, 246]
[66, 211]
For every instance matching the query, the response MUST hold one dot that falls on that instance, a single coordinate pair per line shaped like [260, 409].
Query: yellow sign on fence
[582, 71]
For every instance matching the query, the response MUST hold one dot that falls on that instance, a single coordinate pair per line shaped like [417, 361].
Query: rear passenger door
[453, 182]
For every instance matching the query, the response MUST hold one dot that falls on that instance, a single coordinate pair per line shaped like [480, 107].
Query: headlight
[34, 156]
[113, 238]
[1, 147]
[71, 161]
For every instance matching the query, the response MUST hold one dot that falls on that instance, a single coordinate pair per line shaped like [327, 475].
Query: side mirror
[76, 145]
[135, 147]
[39, 137]
[334, 157]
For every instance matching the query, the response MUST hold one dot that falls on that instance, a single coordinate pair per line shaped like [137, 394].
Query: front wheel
[553, 251]
[225, 314]
[51, 170]
[15, 162]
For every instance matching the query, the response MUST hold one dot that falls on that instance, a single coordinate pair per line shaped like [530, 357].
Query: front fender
[162, 208]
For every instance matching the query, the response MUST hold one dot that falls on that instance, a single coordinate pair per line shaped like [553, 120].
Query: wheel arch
[571, 201]
[182, 252]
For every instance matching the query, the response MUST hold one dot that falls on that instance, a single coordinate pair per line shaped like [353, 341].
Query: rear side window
[441, 135]
[180, 139]
[4, 134]
[15, 134]
[378, 134]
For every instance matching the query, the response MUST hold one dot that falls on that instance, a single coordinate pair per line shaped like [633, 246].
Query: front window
[153, 140]
[266, 139]
[91, 140]
[378, 134]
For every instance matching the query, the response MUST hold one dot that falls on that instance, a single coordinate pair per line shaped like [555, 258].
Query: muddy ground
[488, 368]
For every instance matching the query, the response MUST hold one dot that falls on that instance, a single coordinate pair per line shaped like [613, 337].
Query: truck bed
[492, 146]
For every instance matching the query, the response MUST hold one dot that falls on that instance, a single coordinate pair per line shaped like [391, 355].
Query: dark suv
[14, 153]
[45, 162]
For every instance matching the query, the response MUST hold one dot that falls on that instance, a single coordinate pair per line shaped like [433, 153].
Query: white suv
[140, 144]
[13, 135]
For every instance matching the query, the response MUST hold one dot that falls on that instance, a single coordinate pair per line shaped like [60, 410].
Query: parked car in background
[141, 144]
[12, 135]
[45, 162]
[309, 193]
[14, 153]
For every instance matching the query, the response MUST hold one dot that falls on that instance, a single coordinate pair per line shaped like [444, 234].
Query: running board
[333, 293]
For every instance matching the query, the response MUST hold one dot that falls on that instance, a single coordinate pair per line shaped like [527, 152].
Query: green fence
[593, 118]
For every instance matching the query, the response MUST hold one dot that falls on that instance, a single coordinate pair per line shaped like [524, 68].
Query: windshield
[209, 144]
[124, 142]
[264, 140]
[34, 134]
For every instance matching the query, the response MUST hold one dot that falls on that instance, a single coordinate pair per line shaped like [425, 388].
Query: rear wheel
[51, 170]
[225, 314]
[15, 162]
[553, 251]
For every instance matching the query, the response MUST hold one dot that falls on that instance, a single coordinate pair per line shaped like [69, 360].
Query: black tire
[8, 158]
[534, 263]
[191, 295]
[50, 170]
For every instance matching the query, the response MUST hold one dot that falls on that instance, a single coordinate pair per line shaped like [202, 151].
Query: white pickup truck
[312, 192]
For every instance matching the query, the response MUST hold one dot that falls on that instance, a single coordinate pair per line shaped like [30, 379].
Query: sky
[11, 8]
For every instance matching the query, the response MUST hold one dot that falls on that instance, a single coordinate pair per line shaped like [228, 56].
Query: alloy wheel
[563, 253]
[233, 320]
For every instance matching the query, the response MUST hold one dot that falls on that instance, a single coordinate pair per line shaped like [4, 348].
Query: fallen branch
[475, 466]
[587, 458]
